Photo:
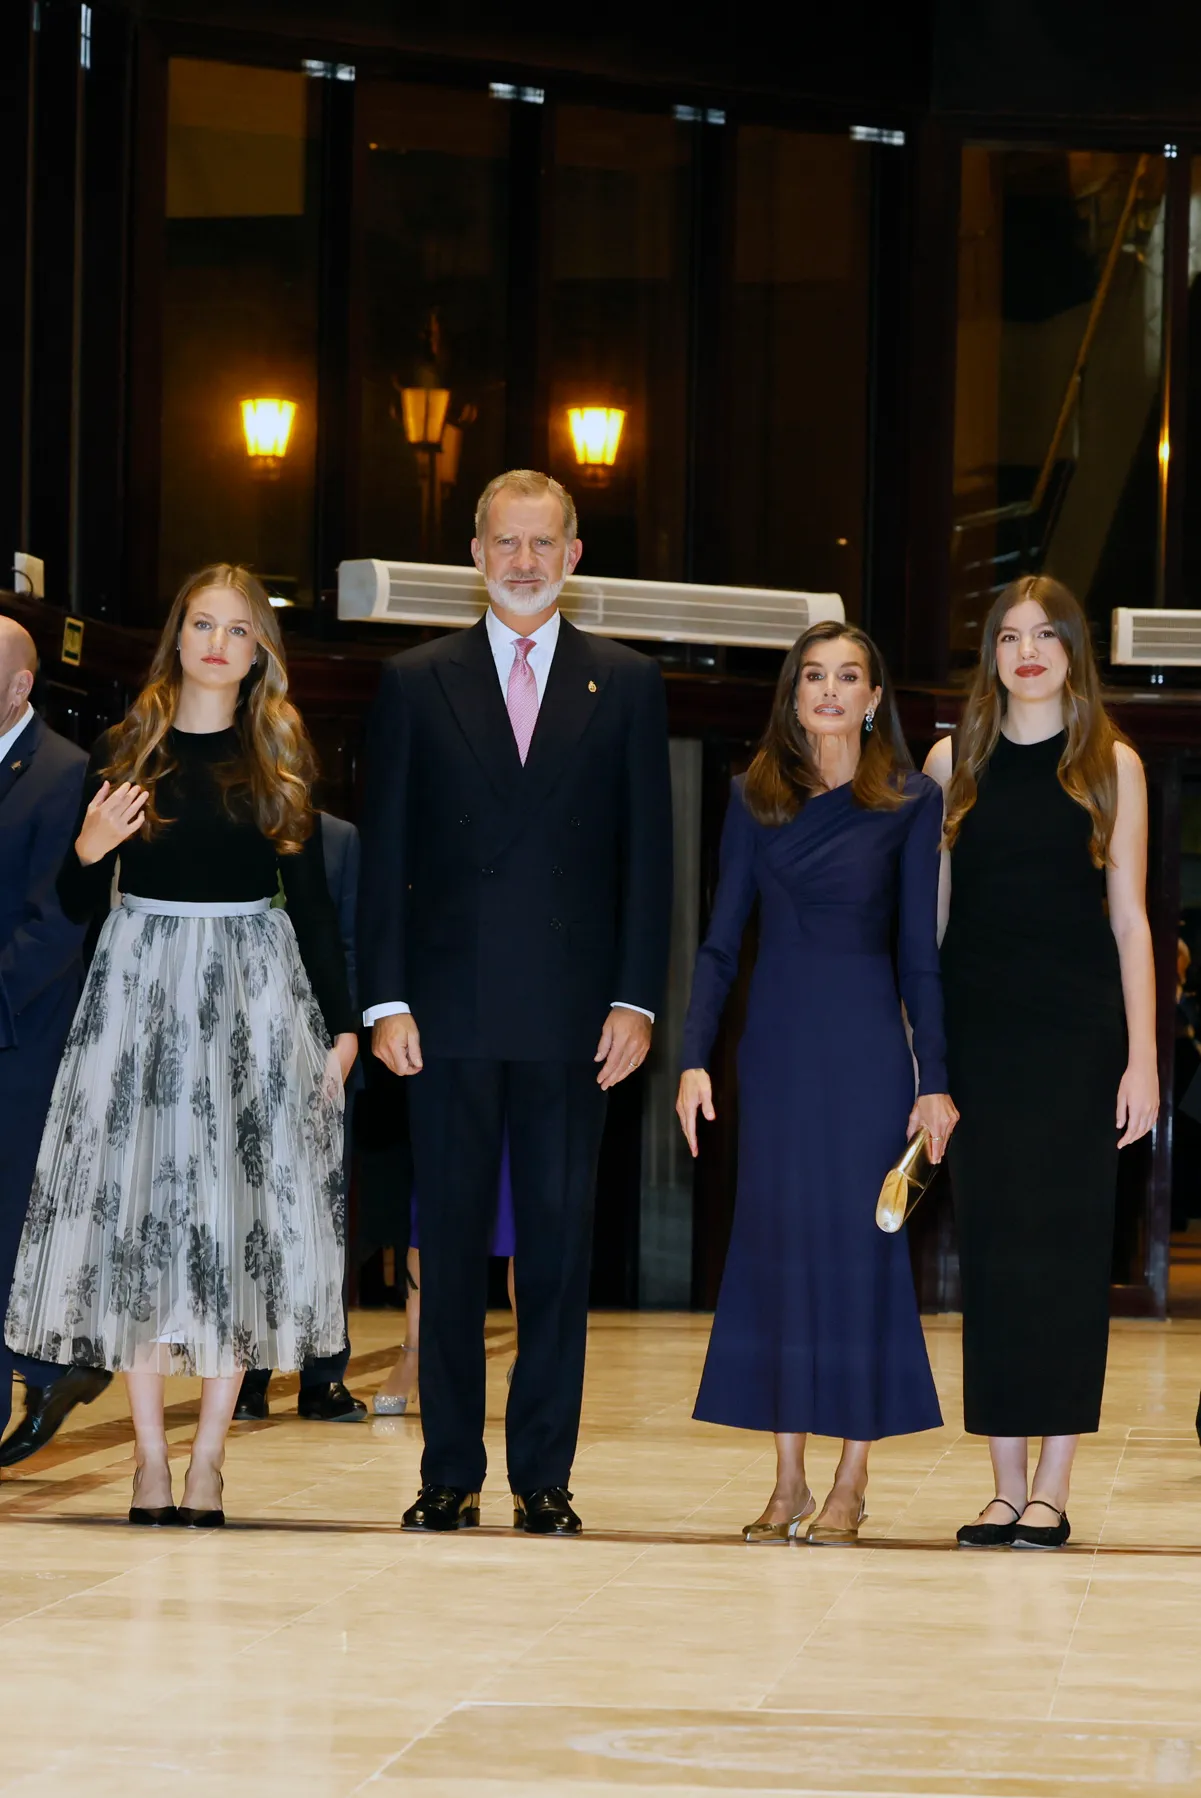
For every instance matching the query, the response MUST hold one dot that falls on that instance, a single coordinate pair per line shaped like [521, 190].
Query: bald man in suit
[41, 975]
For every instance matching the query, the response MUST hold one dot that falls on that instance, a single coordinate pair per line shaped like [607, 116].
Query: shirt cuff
[625, 1005]
[394, 1008]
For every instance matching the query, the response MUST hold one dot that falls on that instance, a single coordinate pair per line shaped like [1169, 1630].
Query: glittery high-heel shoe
[395, 1404]
[780, 1532]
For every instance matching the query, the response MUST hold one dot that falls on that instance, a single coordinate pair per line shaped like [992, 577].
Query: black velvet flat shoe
[990, 1535]
[153, 1516]
[1028, 1535]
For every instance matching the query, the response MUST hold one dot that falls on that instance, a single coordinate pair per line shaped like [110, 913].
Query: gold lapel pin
[592, 686]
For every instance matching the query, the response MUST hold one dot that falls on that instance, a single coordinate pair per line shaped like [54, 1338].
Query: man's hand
[396, 1041]
[624, 1045]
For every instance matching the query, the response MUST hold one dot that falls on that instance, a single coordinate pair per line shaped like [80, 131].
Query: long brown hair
[784, 773]
[273, 773]
[1088, 766]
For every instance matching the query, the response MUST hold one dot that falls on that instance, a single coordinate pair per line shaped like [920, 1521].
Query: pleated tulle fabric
[188, 1212]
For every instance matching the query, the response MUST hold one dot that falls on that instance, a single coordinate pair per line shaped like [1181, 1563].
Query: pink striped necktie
[521, 697]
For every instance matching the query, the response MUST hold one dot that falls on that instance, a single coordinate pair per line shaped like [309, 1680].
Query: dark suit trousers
[555, 1113]
[26, 1082]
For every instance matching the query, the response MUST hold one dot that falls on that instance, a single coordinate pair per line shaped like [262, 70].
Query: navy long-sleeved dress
[817, 1325]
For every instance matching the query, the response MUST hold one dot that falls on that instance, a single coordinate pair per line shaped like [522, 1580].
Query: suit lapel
[20, 756]
[468, 678]
[573, 692]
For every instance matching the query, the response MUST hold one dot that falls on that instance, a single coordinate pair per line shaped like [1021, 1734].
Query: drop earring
[869, 723]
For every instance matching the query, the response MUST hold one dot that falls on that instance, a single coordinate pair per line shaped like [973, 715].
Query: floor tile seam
[930, 1473]
[809, 1635]
[99, 1585]
[1067, 1648]
[390, 1760]
[726, 1484]
[1109, 1496]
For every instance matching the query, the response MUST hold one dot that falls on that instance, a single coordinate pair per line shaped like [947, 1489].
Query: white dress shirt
[501, 640]
[10, 736]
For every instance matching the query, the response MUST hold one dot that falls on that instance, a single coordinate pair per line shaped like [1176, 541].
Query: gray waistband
[199, 908]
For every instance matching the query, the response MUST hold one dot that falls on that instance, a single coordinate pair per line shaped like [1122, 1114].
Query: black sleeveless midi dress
[1036, 1047]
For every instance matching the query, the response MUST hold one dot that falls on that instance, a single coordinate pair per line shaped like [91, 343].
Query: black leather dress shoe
[252, 1406]
[47, 1406]
[443, 1508]
[330, 1403]
[546, 1512]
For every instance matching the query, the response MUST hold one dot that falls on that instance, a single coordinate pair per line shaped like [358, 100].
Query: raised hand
[114, 816]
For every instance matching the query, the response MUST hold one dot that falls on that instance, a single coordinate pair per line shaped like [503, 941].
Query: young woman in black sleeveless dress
[1050, 1017]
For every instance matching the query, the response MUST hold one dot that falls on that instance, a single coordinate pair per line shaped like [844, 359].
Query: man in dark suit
[323, 1394]
[513, 929]
[41, 972]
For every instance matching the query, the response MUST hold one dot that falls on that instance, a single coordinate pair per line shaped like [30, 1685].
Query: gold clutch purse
[905, 1183]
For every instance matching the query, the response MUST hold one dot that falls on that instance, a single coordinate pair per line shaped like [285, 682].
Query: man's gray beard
[525, 605]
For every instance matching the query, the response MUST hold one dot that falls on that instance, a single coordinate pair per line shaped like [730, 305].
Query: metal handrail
[1026, 508]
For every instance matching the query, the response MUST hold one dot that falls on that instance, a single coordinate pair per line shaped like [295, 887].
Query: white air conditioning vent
[1155, 639]
[660, 611]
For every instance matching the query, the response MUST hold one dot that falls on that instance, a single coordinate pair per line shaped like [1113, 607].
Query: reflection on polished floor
[313, 1649]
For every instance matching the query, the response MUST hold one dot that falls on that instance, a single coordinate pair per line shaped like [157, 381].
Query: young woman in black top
[187, 1211]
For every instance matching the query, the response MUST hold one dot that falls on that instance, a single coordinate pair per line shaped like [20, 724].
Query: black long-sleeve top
[208, 855]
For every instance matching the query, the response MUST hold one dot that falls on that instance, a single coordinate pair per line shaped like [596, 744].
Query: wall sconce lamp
[424, 411]
[596, 434]
[268, 426]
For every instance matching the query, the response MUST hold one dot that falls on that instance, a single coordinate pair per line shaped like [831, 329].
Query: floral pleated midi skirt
[188, 1212]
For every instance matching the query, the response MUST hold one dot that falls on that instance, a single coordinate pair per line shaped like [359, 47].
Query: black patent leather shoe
[443, 1508]
[990, 1535]
[1028, 1535]
[330, 1403]
[154, 1516]
[252, 1406]
[546, 1512]
[46, 1408]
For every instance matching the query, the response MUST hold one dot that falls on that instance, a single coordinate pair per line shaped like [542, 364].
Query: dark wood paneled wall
[334, 685]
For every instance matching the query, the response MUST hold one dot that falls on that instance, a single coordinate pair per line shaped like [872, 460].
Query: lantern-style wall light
[424, 411]
[268, 427]
[596, 434]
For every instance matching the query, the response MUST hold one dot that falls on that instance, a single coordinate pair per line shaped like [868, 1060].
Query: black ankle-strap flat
[990, 1535]
[1029, 1535]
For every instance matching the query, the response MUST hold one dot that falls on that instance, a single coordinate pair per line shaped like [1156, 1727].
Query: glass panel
[436, 268]
[799, 411]
[620, 258]
[239, 320]
[1058, 377]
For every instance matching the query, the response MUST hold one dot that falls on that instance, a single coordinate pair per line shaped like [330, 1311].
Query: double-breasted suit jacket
[509, 907]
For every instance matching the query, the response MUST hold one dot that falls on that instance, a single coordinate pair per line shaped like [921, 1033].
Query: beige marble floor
[312, 1649]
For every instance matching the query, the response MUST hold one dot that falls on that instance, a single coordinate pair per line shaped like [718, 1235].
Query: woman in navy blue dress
[817, 1328]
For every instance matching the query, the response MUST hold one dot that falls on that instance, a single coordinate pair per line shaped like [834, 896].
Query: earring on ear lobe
[869, 723]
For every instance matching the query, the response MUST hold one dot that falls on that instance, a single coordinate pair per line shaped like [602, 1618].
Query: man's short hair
[530, 485]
